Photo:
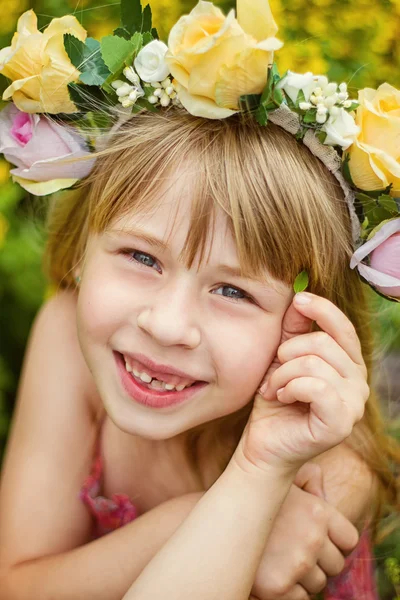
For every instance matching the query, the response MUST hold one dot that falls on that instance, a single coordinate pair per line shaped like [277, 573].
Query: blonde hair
[285, 210]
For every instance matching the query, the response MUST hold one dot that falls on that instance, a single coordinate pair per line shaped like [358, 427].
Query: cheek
[244, 353]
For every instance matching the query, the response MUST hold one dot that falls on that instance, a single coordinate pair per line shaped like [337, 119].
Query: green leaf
[249, 102]
[310, 116]
[147, 38]
[300, 98]
[301, 282]
[87, 58]
[147, 19]
[131, 15]
[261, 115]
[388, 203]
[89, 97]
[116, 51]
[137, 41]
[154, 33]
[121, 32]
[346, 169]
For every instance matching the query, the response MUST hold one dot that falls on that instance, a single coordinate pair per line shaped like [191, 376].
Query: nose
[170, 317]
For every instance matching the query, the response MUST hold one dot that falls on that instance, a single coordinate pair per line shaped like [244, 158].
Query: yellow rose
[39, 66]
[216, 59]
[375, 155]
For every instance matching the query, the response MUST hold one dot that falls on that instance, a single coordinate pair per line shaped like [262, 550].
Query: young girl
[175, 261]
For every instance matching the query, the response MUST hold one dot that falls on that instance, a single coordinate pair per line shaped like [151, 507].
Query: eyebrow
[146, 237]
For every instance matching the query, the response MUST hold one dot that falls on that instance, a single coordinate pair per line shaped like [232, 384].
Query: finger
[342, 533]
[298, 592]
[331, 560]
[304, 366]
[314, 581]
[320, 343]
[294, 324]
[332, 320]
[330, 419]
[310, 478]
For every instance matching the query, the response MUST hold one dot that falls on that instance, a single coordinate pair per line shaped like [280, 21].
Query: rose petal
[67, 24]
[386, 284]
[248, 75]
[204, 74]
[255, 18]
[199, 106]
[387, 230]
[46, 187]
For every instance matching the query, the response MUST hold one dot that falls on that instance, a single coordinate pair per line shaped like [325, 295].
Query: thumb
[310, 479]
[294, 323]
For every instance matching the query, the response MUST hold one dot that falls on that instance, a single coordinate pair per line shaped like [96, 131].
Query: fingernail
[279, 392]
[263, 388]
[302, 298]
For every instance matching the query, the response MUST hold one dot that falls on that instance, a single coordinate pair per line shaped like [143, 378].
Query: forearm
[216, 551]
[103, 569]
[349, 484]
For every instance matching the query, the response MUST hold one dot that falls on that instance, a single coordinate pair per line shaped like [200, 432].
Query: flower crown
[213, 66]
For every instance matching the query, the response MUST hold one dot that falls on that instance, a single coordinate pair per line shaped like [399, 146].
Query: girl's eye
[233, 293]
[142, 258]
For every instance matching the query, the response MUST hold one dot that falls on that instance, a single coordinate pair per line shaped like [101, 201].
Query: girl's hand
[314, 390]
[306, 546]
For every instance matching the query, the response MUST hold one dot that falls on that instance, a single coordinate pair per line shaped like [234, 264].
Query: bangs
[286, 212]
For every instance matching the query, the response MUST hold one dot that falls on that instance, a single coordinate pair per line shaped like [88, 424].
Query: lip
[154, 369]
[153, 398]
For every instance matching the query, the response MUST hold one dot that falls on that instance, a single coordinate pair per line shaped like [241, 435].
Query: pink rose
[384, 249]
[38, 147]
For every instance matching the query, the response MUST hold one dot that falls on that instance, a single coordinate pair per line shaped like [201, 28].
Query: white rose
[341, 130]
[150, 62]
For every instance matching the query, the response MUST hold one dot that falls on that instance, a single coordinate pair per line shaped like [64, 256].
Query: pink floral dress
[356, 582]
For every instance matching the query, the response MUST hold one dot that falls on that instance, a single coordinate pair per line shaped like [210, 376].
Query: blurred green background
[357, 41]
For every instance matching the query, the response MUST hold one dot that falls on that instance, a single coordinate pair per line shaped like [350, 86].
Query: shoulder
[55, 328]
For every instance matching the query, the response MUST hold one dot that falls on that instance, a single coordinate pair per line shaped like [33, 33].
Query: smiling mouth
[142, 377]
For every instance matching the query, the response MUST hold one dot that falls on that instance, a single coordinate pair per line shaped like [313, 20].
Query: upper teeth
[155, 383]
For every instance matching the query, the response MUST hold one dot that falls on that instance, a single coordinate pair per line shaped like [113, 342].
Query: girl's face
[138, 300]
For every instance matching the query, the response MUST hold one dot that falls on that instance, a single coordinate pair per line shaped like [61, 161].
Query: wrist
[260, 475]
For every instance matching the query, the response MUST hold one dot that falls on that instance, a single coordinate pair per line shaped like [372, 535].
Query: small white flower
[341, 130]
[124, 90]
[169, 90]
[117, 84]
[343, 96]
[321, 109]
[152, 99]
[330, 89]
[165, 100]
[150, 62]
[133, 96]
[158, 92]
[166, 82]
[331, 100]
[305, 105]
[131, 75]
[334, 111]
[347, 103]
[321, 118]
[343, 88]
[126, 102]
